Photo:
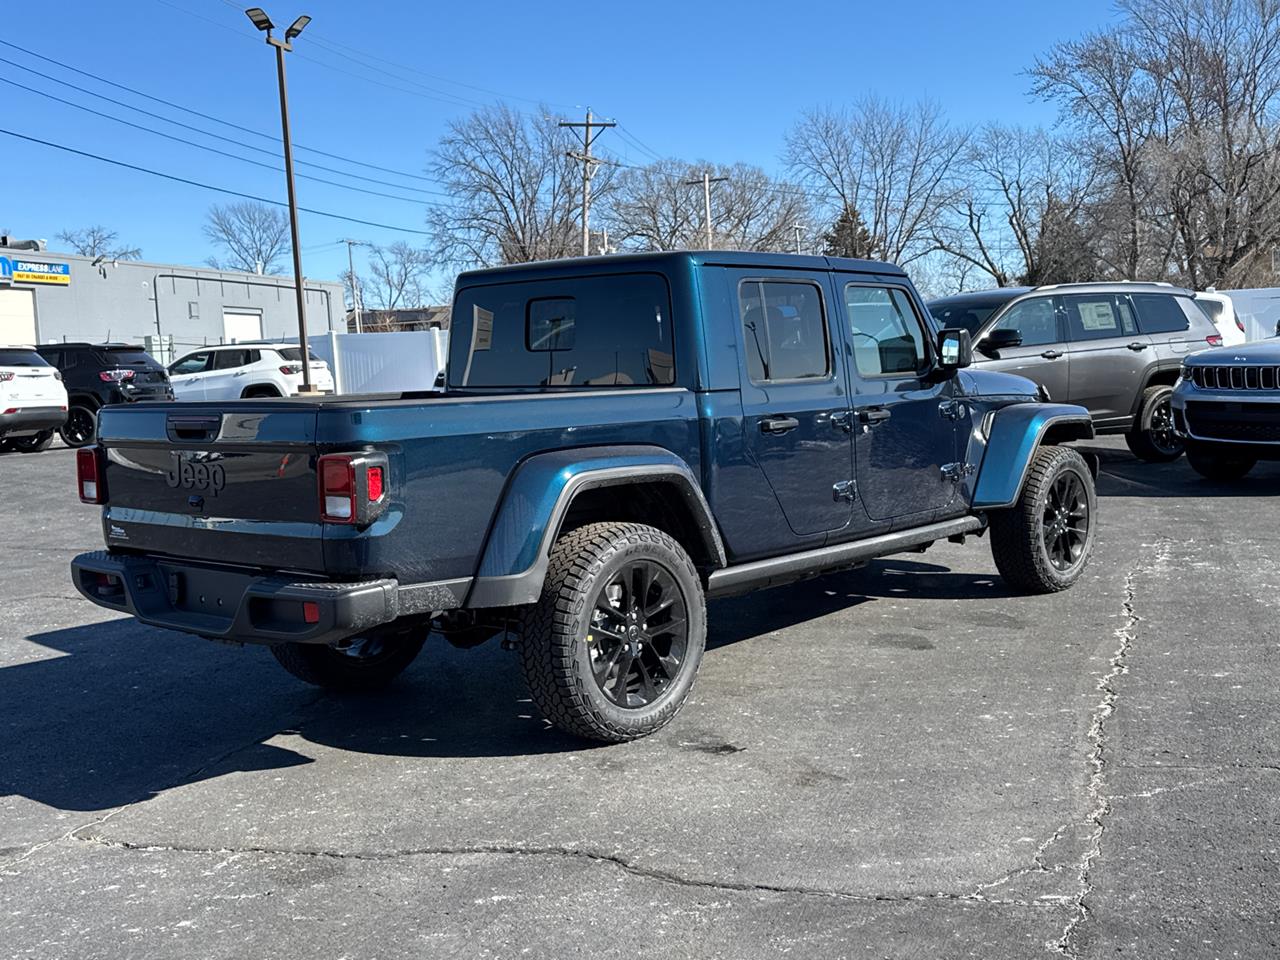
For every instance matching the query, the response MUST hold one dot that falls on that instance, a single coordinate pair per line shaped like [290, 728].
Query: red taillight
[289, 369]
[1214, 341]
[115, 376]
[11, 410]
[89, 477]
[6, 376]
[337, 489]
[1239, 324]
[310, 611]
[353, 487]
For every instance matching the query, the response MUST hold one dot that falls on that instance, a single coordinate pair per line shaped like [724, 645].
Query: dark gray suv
[1114, 348]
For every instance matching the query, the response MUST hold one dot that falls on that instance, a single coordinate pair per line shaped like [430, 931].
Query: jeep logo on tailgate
[190, 474]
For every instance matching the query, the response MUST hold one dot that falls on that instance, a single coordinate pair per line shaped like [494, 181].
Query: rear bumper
[232, 603]
[32, 420]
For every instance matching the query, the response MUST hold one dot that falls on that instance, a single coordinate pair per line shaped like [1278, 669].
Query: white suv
[33, 401]
[241, 370]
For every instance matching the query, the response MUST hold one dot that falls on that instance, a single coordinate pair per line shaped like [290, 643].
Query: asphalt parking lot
[902, 761]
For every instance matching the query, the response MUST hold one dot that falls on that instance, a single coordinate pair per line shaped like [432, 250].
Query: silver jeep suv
[1114, 348]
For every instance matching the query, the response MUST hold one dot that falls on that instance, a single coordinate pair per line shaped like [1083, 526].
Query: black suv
[1113, 348]
[99, 374]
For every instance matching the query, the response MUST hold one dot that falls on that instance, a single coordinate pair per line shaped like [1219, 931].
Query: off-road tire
[1214, 466]
[553, 646]
[1017, 533]
[1140, 440]
[32, 444]
[324, 666]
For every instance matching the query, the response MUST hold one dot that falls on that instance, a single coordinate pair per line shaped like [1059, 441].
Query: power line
[197, 113]
[201, 146]
[208, 186]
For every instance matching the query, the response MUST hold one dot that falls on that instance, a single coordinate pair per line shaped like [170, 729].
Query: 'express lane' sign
[33, 271]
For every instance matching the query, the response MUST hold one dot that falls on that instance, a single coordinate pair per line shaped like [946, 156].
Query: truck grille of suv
[1253, 423]
[1236, 378]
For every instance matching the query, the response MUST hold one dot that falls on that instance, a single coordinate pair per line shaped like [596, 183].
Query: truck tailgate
[202, 482]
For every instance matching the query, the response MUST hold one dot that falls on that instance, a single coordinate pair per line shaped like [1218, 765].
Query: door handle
[841, 420]
[874, 415]
[1136, 346]
[778, 424]
[1051, 354]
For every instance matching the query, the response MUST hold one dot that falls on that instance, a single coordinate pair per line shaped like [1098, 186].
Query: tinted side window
[1035, 319]
[1098, 317]
[564, 332]
[195, 363]
[784, 330]
[229, 359]
[887, 337]
[70, 359]
[1159, 313]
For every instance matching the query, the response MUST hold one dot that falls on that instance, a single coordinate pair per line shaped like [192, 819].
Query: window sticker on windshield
[1097, 316]
[481, 329]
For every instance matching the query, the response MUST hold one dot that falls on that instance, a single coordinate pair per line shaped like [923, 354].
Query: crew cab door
[1109, 356]
[795, 405]
[905, 422]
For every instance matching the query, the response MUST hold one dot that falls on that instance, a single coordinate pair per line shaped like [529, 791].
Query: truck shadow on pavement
[1124, 475]
[119, 712]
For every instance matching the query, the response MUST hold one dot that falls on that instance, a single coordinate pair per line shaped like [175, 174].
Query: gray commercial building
[50, 297]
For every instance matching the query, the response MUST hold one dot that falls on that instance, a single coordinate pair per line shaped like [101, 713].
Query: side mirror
[1278, 328]
[1000, 339]
[955, 349]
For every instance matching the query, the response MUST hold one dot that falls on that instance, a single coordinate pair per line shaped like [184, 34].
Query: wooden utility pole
[706, 181]
[589, 164]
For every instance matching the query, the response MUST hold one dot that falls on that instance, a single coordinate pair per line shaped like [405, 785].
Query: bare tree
[253, 236]
[895, 165]
[1021, 192]
[395, 277]
[98, 241]
[515, 191]
[662, 207]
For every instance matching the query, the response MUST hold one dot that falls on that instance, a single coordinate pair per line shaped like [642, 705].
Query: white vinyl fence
[383, 362]
[1258, 310]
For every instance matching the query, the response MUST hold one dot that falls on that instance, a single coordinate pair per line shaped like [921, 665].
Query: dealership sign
[35, 271]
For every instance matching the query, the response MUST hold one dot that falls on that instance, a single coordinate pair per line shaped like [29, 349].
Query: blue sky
[714, 81]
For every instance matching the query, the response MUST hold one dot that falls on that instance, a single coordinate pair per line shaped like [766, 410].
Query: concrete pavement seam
[1127, 635]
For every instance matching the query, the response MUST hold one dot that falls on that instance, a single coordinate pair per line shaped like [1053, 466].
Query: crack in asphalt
[567, 853]
[1127, 635]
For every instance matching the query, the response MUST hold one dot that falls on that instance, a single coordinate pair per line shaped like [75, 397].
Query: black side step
[795, 566]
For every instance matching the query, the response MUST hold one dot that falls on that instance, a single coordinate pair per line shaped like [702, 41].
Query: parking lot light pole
[259, 18]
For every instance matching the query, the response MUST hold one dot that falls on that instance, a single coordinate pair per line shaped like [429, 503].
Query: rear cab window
[784, 330]
[564, 332]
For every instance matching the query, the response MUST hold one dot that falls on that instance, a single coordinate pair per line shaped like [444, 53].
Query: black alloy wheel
[1066, 521]
[81, 427]
[638, 634]
[1162, 434]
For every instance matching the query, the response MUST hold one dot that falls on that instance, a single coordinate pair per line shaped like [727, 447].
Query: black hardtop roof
[679, 260]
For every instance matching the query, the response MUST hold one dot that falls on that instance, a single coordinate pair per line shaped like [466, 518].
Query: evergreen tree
[848, 236]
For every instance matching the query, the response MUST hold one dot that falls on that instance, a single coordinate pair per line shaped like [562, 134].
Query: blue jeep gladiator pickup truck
[620, 438]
